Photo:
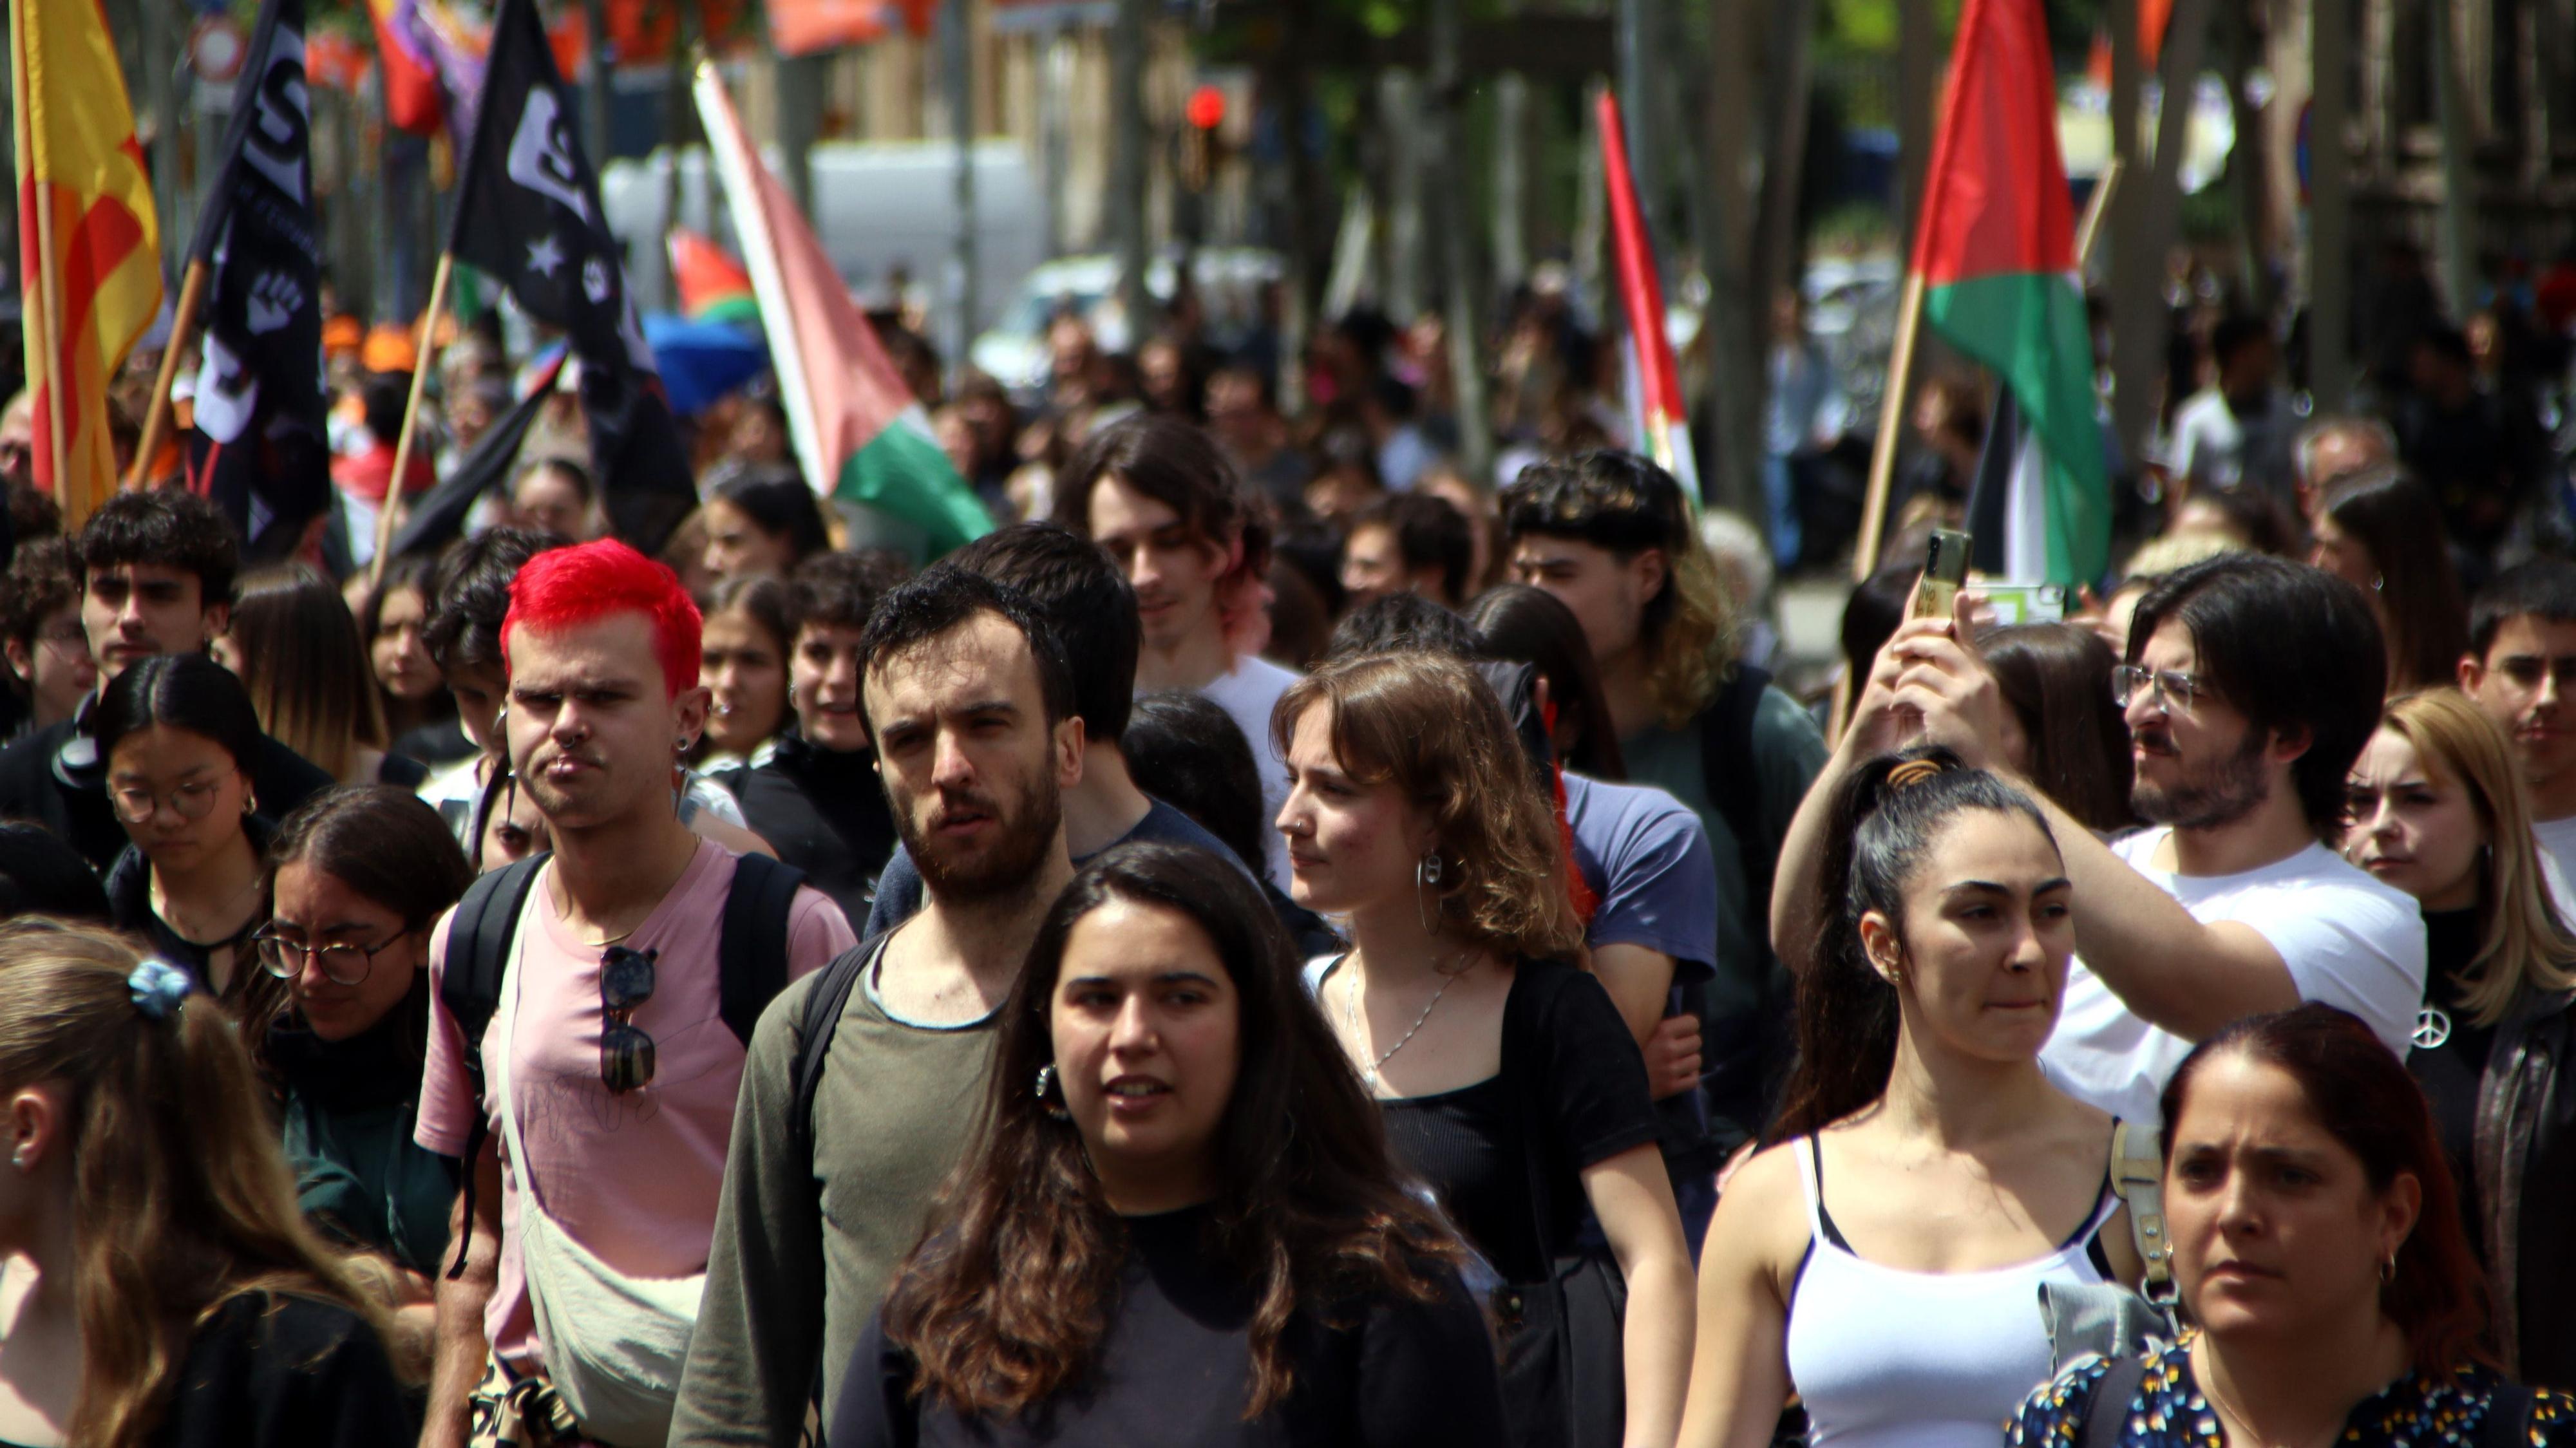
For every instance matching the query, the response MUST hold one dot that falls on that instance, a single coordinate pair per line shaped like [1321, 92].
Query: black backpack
[824, 1002]
[751, 964]
[1744, 1076]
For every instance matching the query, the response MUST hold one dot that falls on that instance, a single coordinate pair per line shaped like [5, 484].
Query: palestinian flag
[860, 433]
[713, 286]
[1996, 255]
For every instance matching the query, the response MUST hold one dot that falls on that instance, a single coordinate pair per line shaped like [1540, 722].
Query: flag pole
[411, 416]
[72, 495]
[2096, 206]
[1891, 414]
[156, 419]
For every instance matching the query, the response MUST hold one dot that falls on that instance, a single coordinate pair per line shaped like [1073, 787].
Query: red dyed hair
[2364, 1097]
[568, 587]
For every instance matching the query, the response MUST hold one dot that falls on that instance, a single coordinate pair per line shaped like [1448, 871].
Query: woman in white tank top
[1882, 1260]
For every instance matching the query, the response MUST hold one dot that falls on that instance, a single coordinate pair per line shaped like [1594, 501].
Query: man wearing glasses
[970, 700]
[155, 571]
[2251, 685]
[2521, 669]
[611, 1068]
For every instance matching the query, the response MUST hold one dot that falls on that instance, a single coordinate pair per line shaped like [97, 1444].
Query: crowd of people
[1281, 941]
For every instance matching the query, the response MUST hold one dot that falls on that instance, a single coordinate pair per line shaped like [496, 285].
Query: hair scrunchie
[159, 988]
[1913, 772]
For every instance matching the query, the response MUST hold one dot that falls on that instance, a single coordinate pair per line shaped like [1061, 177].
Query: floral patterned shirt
[2169, 1411]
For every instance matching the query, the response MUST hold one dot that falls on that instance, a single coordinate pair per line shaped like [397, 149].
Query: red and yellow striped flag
[88, 242]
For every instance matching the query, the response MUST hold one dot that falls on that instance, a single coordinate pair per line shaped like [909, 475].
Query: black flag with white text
[258, 444]
[528, 215]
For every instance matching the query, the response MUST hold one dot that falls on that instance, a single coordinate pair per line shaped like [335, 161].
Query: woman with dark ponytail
[1881, 1259]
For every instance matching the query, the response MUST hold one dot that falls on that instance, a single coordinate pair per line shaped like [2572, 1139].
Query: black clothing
[1470, 1145]
[2526, 1142]
[129, 905]
[824, 811]
[1176, 1368]
[2451, 1071]
[55, 777]
[440, 741]
[401, 769]
[270, 1371]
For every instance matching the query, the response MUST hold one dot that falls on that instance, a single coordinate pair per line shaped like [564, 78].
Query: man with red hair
[606, 1062]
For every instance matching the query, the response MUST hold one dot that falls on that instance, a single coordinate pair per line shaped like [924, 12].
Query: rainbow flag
[89, 243]
[1996, 255]
[1663, 423]
[862, 435]
[713, 286]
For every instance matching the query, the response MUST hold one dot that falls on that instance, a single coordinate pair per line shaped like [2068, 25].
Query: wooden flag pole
[71, 494]
[411, 417]
[156, 419]
[1891, 417]
[2096, 207]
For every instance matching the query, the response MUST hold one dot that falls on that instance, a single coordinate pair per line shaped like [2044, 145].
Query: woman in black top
[816, 798]
[157, 1287]
[2438, 811]
[1180, 1224]
[178, 734]
[1508, 1080]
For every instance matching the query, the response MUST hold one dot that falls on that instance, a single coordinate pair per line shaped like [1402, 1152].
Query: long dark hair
[184, 691]
[2420, 603]
[1007, 1304]
[1533, 626]
[307, 667]
[414, 573]
[777, 499]
[1885, 818]
[2057, 678]
[384, 843]
[2365, 1098]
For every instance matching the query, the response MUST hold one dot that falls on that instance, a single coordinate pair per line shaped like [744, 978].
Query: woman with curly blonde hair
[157, 1284]
[1509, 1084]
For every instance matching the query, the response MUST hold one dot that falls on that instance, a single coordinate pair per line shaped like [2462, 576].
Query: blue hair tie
[159, 987]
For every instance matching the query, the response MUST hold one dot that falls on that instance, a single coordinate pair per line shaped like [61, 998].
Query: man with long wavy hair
[1610, 535]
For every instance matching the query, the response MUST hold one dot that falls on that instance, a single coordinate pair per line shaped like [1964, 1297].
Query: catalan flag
[89, 244]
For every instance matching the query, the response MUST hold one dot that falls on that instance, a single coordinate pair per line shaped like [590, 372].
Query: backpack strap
[2108, 1413]
[2137, 1174]
[1733, 785]
[751, 954]
[469, 985]
[824, 1003]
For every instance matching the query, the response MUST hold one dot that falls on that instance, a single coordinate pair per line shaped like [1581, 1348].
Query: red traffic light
[1206, 109]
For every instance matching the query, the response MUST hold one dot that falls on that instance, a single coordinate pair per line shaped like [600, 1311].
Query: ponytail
[1884, 819]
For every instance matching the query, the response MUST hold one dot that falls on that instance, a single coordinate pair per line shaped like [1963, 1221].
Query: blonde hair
[1692, 650]
[2523, 945]
[181, 1198]
[1432, 727]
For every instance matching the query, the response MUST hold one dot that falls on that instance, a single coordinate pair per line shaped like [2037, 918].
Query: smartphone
[1945, 567]
[2012, 603]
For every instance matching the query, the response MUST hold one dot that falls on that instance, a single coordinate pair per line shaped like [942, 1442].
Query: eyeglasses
[341, 964]
[2173, 689]
[625, 1052]
[137, 806]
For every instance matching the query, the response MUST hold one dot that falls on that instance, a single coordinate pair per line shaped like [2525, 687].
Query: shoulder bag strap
[2109, 1411]
[2137, 1174]
[2508, 1423]
[478, 948]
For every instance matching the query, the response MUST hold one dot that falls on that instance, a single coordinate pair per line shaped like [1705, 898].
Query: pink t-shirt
[634, 1178]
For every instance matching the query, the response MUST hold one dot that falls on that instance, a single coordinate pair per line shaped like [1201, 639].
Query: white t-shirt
[2347, 939]
[1248, 692]
[2558, 849]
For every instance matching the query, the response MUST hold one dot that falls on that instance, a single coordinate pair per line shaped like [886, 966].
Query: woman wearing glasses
[178, 734]
[362, 875]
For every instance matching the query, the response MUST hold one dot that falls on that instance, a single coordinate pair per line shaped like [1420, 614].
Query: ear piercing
[18, 1158]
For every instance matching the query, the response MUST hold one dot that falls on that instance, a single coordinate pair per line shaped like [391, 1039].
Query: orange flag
[88, 242]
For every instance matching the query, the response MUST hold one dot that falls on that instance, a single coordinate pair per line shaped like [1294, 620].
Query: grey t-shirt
[805, 1247]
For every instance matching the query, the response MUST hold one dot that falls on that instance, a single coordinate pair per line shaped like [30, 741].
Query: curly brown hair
[1433, 727]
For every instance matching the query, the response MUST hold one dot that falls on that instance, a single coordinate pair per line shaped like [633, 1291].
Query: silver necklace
[1351, 1023]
